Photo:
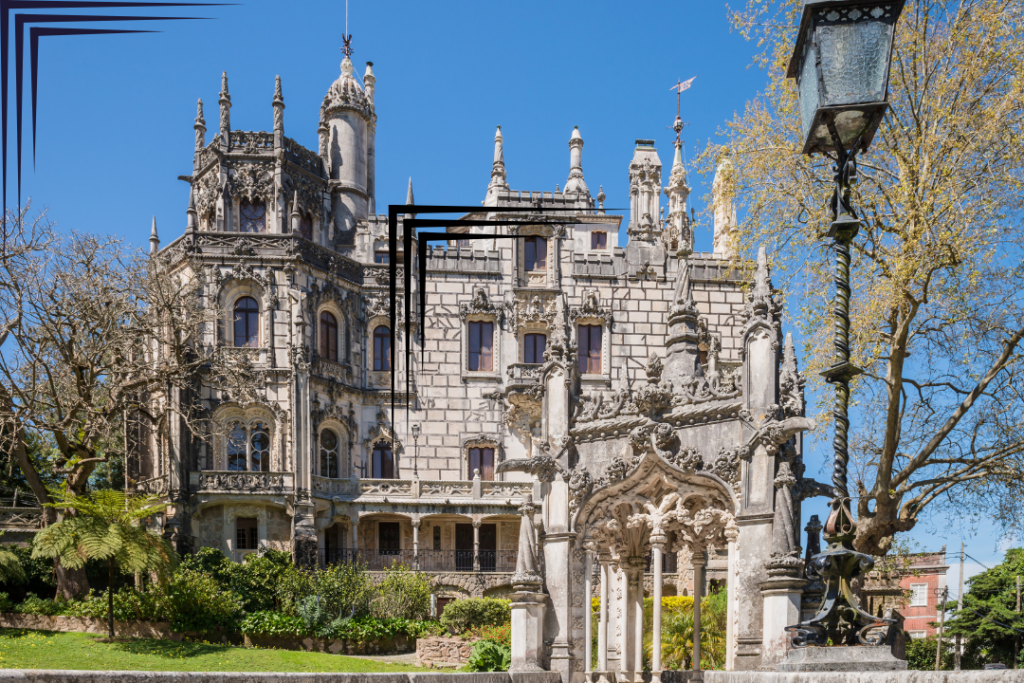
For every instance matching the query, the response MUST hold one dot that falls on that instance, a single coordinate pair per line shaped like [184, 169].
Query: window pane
[383, 465]
[474, 346]
[474, 461]
[486, 342]
[328, 454]
[246, 322]
[487, 464]
[260, 448]
[533, 348]
[542, 253]
[598, 240]
[381, 257]
[253, 216]
[236, 449]
[590, 349]
[382, 349]
[535, 253]
[328, 336]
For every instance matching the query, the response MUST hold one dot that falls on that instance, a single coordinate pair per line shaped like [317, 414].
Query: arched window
[383, 462]
[237, 451]
[482, 459]
[306, 226]
[382, 349]
[536, 253]
[598, 240]
[328, 336]
[259, 455]
[247, 316]
[252, 216]
[329, 454]
[533, 348]
[248, 447]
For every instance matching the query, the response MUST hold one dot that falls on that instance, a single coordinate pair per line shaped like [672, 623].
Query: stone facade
[558, 367]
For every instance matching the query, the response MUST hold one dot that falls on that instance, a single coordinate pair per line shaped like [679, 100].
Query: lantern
[841, 66]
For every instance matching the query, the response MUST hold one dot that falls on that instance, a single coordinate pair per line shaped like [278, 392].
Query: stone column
[528, 601]
[353, 525]
[614, 620]
[416, 544]
[476, 545]
[604, 562]
[638, 620]
[588, 610]
[625, 609]
[698, 593]
[657, 548]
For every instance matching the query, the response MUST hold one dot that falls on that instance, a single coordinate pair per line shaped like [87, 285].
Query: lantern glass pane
[807, 88]
[854, 57]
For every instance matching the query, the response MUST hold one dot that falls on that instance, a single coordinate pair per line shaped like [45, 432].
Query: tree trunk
[110, 600]
[71, 583]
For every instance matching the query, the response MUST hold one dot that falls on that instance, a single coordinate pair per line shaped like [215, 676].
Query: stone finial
[644, 192]
[600, 199]
[278, 106]
[575, 183]
[408, 195]
[200, 126]
[369, 82]
[791, 384]
[498, 179]
[193, 220]
[154, 239]
[678, 230]
[722, 191]
[225, 109]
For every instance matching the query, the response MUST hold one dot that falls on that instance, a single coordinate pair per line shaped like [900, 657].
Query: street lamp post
[415, 451]
[841, 65]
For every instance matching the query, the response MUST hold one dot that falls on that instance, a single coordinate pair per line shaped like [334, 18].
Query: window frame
[380, 446]
[531, 335]
[250, 540]
[251, 335]
[532, 241]
[328, 345]
[477, 327]
[604, 238]
[253, 220]
[480, 449]
[591, 325]
[914, 595]
[378, 356]
[325, 454]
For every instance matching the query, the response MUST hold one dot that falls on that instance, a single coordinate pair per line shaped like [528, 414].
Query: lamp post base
[842, 658]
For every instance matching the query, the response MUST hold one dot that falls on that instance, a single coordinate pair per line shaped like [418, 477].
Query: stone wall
[122, 629]
[37, 676]
[440, 651]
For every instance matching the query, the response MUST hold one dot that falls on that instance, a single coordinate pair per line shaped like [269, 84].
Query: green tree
[111, 526]
[989, 620]
[937, 317]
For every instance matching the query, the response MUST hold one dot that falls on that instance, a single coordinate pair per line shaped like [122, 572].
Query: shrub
[499, 635]
[368, 628]
[402, 594]
[210, 561]
[273, 624]
[198, 605]
[489, 656]
[311, 609]
[256, 579]
[921, 654]
[345, 590]
[5, 603]
[460, 615]
[33, 604]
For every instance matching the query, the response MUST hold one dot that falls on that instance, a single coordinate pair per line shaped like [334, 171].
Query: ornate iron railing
[424, 560]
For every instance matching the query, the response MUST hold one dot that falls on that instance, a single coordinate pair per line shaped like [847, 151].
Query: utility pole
[943, 596]
[959, 607]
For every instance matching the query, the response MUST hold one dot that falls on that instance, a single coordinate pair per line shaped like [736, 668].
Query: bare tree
[937, 313]
[100, 337]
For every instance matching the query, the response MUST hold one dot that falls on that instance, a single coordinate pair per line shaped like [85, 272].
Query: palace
[586, 418]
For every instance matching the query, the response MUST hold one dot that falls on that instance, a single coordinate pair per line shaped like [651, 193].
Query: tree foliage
[936, 315]
[989, 621]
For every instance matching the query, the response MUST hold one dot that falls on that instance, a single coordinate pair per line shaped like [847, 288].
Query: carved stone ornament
[591, 309]
[243, 271]
[252, 181]
[580, 485]
[479, 305]
[208, 191]
[531, 308]
[541, 466]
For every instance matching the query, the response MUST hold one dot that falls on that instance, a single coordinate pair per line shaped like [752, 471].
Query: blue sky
[115, 112]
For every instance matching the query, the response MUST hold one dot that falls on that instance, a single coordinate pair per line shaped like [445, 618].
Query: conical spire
[191, 212]
[791, 384]
[369, 82]
[678, 230]
[278, 106]
[575, 183]
[722, 190]
[498, 179]
[200, 126]
[682, 358]
[408, 194]
[154, 239]
[225, 109]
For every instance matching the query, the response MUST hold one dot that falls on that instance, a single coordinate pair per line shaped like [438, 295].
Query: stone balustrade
[21, 518]
[269, 483]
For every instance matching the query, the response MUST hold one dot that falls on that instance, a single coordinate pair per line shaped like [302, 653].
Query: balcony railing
[208, 481]
[524, 374]
[424, 560]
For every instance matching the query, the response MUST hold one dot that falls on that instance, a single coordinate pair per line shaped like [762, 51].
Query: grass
[23, 649]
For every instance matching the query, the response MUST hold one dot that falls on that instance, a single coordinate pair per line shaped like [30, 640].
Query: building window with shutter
[598, 240]
[246, 533]
[383, 462]
[919, 595]
[328, 336]
[533, 348]
[535, 252]
[382, 349]
[589, 351]
[481, 345]
[482, 459]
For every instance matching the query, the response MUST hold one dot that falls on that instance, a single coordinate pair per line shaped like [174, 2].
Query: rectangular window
[381, 257]
[535, 253]
[482, 459]
[481, 341]
[246, 533]
[437, 538]
[598, 240]
[917, 635]
[590, 349]
[388, 538]
[919, 595]
[533, 348]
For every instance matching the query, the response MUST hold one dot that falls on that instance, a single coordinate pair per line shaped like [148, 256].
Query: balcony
[409, 490]
[491, 561]
[266, 483]
[523, 375]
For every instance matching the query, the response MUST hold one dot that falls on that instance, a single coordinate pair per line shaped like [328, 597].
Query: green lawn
[22, 649]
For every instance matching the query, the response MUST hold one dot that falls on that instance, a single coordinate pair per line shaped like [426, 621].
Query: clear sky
[115, 112]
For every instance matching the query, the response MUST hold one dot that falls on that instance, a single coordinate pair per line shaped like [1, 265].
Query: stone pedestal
[527, 631]
[841, 658]
[781, 609]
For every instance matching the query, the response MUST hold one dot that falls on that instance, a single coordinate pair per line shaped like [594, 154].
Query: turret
[644, 191]
[678, 228]
[575, 183]
[348, 116]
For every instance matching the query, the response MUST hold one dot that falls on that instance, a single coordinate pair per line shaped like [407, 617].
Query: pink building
[924, 581]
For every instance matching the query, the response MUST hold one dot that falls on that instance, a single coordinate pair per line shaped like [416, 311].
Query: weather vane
[346, 37]
[679, 87]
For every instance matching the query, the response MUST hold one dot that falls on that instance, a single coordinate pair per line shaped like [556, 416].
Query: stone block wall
[442, 651]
